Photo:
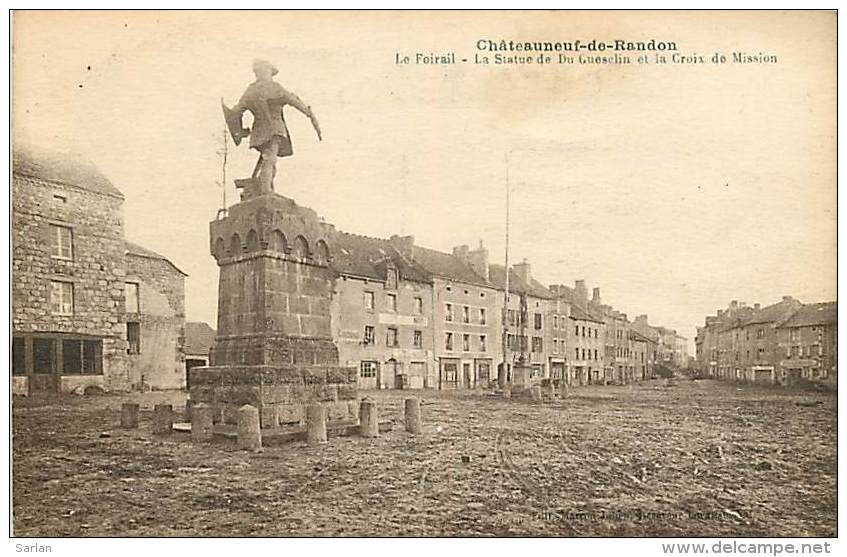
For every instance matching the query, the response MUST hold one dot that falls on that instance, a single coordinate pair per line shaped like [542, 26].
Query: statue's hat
[258, 62]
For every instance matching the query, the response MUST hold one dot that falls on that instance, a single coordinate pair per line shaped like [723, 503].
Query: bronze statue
[265, 99]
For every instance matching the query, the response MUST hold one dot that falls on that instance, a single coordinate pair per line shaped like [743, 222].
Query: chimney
[522, 270]
[757, 306]
[734, 304]
[595, 296]
[461, 252]
[405, 245]
[580, 292]
[787, 298]
[478, 260]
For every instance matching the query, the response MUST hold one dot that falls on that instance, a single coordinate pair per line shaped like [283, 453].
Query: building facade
[70, 265]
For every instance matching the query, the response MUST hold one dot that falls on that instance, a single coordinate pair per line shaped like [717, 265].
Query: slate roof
[769, 314]
[824, 313]
[444, 265]
[65, 169]
[497, 279]
[582, 314]
[139, 251]
[199, 338]
[364, 256]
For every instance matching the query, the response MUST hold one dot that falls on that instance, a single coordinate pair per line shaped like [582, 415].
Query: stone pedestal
[274, 348]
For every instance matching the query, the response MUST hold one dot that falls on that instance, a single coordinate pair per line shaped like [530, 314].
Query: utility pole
[224, 152]
[502, 377]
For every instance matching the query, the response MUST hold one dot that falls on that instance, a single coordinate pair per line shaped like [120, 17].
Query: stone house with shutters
[71, 271]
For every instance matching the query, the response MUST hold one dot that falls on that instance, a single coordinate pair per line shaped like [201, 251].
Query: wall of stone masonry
[96, 271]
[160, 364]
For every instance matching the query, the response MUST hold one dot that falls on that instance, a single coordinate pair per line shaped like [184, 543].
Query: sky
[674, 188]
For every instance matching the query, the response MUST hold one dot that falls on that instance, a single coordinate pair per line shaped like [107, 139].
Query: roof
[581, 314]
[199, 337]
[823, 313]
[367, 257]
[447, 266]
[642, 338]
[497, 278]
[770, 314]
[61, 168]
[138, 251]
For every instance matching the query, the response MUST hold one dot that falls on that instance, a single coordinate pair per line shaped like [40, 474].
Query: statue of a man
[265, 99]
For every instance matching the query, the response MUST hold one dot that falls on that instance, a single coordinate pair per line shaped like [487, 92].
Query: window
[448, 312]
[61, 298]
[369, 335]
[466, 343]
[596, 331]
[583, 330]
[417, 339]
[448, 341]
[450, 372]
[794, 333]
[62, 242]
[555, 346]
[18, 356]
[482, 316]
[43, 355]
[131, 295]
[555, 321]
[576, 330]
[466, 314]
[391, 338]
[761, 354]
[512, 317]
[576, 353]
[760, 333]
[583, 353]
[418, 306]
[537, 318]
[391, 302]
[369, 301]
[483, 343]
[595, 354]
[392, 279]
[367, 369]
[133, 337]
[537, 344]
[795, 351]
[82, 357]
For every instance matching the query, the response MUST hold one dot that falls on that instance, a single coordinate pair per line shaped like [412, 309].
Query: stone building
[782, 343]
[155, 320]
[70, 265]
[808, 345]
[583, 333]
[526, 321]
[466, 315]
[381, 314]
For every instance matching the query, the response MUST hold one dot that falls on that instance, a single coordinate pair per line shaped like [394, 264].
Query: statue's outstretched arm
[297, 103]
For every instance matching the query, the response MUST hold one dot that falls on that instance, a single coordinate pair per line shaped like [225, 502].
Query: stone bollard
[550, 391]
[353, 410]
[201, 422]
[129, 415]
[563, 390]
[413, 416]
[249, 432]
[163, 419]
[368, 419]
[316, 424]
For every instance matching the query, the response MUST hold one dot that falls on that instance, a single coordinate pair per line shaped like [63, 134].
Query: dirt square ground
[698, 458]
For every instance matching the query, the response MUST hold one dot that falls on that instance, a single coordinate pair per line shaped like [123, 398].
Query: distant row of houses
[90, 308]
[784, 343]
[406, 315]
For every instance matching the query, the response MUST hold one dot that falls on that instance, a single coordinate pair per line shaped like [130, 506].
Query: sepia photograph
[431, 274]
